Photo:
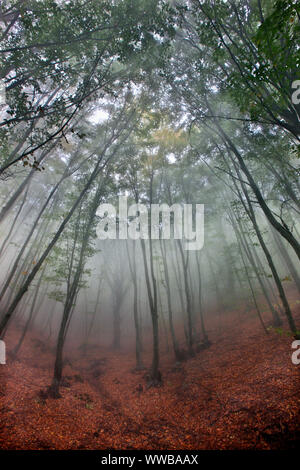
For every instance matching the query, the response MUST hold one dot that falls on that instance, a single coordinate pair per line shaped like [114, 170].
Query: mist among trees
[142, 343]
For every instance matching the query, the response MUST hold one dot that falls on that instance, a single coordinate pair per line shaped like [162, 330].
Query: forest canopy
[160, 102]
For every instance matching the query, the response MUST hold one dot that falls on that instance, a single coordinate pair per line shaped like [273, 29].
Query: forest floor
[241, 393]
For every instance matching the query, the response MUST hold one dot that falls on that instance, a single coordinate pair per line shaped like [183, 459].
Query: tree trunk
[188, 300]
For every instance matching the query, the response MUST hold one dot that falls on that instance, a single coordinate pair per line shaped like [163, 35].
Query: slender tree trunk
[58, 366]
[203, 329]
[282, 229]
[15, 196]
[178, 354]
[155, 375]
[250, 213]
[92, 322]
[117, 325]
[188, 299]
[13, 223]
[239, 241]
[276, 319]
[138, 341]
[30, 317]
[286, 258]
[268, 256]
[176, 270]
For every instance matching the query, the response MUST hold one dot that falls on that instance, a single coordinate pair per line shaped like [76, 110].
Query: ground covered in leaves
[241, 393]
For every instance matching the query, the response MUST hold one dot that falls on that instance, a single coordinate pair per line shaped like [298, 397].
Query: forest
[149, 225]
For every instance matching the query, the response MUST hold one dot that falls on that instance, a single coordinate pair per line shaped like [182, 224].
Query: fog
[149, 224]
